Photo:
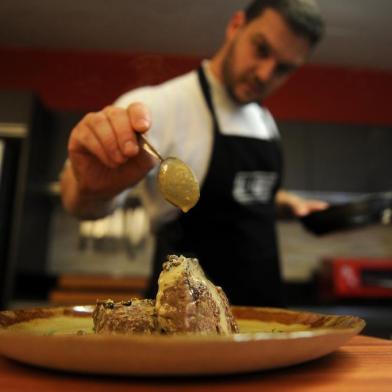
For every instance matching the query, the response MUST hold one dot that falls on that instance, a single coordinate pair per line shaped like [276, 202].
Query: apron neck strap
[205, 88]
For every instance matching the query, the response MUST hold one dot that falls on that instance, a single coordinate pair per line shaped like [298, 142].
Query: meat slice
[126, 317]
[188, 302]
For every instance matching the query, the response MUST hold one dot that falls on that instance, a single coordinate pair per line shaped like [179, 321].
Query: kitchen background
[59, 61]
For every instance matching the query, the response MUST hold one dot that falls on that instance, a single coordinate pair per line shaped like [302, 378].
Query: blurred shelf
[91, 282]
[86, 289]
[64, 297]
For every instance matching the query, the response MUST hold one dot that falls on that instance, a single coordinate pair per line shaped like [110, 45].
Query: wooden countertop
[363, 364]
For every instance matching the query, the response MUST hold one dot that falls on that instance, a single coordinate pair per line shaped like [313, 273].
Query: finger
[139, 117]
[311, 206]
[100, 125]
[318, 205]
[301, 210]
[126, 138]
[82, 138]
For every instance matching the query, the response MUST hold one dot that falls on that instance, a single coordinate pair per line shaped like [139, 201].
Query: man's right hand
[104, 154]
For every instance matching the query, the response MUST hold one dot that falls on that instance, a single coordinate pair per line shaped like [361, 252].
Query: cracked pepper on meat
[186, 302]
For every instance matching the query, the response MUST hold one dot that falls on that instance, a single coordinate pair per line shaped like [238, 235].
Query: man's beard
[230, 79]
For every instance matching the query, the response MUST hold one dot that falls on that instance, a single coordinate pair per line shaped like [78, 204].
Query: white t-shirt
[182, 127]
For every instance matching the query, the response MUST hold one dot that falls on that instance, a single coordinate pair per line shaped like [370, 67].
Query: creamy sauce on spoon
[178, 184]
[176, 180]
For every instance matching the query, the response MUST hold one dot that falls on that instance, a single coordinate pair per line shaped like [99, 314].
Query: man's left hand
[298, 206]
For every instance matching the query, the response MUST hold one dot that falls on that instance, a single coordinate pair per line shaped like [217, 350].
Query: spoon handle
[147, 146]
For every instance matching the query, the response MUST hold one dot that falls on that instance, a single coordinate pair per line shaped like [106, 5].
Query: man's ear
[237, 21]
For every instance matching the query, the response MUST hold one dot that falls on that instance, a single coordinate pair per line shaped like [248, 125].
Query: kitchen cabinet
[20, 116]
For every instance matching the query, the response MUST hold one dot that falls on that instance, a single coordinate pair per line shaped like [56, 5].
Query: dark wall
[337, 157]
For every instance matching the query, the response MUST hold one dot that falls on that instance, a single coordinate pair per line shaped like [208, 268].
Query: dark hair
[303, 16]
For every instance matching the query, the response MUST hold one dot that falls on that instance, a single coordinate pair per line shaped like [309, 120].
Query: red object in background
[356, 278]
[84, 81]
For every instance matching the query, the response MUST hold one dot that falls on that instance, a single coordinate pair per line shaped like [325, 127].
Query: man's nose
[266, 69]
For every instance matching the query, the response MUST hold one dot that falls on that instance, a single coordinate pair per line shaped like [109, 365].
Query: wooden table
[363, 364]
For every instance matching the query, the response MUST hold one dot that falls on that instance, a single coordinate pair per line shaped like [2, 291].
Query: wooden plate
[62, 338]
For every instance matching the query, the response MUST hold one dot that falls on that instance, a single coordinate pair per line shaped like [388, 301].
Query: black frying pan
[366, 210]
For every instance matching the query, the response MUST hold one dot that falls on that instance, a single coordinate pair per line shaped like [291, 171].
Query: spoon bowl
[178, 184]
[176, 180]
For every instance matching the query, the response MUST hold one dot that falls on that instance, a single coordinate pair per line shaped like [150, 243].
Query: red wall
[69, 80]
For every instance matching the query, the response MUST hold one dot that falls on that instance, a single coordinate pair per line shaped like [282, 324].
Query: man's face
[260, 56]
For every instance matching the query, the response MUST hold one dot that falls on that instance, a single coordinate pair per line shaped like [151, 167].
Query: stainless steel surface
[119, 245]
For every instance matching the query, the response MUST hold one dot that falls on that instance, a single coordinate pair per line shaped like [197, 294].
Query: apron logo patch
[254, 187]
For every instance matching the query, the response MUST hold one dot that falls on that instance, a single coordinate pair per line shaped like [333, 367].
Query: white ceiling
[359, 32]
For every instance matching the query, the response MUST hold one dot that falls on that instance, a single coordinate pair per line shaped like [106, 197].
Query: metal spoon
[176, 180]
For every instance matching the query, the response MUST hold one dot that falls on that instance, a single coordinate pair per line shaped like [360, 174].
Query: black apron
[231, 230]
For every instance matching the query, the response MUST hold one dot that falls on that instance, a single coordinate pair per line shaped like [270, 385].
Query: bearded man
[214, 120]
